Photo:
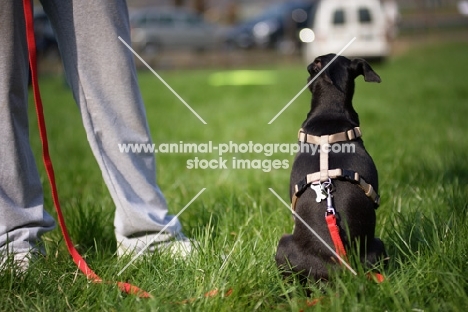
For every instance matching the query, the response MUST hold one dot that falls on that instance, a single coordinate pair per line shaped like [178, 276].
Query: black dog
[332, 112]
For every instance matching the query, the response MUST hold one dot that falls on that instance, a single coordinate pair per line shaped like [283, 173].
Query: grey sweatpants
[101, 72]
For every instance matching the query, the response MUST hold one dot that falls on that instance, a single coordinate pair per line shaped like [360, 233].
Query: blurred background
[184, 34]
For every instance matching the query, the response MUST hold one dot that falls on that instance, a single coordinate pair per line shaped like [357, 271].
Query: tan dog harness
[325, 174]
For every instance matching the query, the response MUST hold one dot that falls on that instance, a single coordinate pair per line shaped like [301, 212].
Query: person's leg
[22, 217]
[101, 71]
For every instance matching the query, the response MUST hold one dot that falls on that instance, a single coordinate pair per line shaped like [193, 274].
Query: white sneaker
[180, 247]
[19, 261]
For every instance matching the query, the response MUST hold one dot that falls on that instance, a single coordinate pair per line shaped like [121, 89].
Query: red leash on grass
[339, 247]
[80, 262]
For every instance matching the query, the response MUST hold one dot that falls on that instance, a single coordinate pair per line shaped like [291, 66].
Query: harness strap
[349, 135]
[325, 173]
[347, 175]
[324, 144]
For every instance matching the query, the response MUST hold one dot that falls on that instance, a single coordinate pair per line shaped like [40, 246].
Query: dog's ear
[361, 67]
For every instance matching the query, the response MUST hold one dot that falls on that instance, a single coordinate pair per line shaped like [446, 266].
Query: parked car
[278, 23]
[46, 43]
[336, 22]
[157, 29]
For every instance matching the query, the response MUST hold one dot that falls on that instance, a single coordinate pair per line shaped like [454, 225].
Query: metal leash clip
[327, 187]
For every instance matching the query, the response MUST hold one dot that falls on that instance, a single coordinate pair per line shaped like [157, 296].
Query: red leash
[80, 262]
[339, 247]
[335, 235]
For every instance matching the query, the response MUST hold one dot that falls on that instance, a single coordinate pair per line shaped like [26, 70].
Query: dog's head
[339, 73]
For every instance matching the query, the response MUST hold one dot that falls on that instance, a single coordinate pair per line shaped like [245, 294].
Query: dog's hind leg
[375, 253]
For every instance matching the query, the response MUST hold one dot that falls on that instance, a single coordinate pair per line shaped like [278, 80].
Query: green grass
[414, 126]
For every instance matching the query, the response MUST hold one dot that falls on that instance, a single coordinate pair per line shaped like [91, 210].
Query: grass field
[414, 125]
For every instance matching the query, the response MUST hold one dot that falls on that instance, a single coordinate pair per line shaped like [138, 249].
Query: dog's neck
[332, 115]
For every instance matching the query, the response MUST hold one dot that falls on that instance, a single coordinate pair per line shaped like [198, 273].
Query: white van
[334, 23]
